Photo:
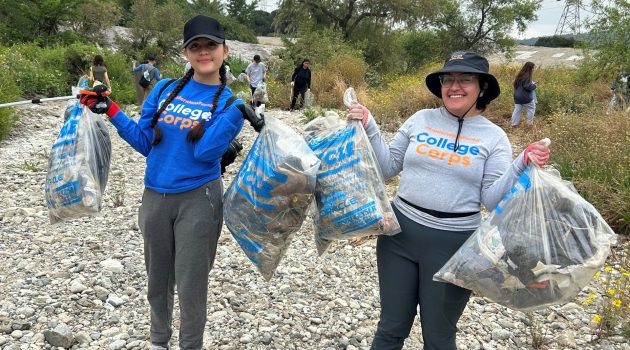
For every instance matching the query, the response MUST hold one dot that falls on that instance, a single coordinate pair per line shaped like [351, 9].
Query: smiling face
[206, 57]
[459, 92]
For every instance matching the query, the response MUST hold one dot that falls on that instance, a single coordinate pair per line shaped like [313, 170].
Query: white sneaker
[157, 347]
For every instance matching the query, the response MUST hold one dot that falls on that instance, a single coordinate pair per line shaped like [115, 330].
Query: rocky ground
[81, 283]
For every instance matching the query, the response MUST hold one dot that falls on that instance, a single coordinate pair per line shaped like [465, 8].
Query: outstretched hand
[358, 112]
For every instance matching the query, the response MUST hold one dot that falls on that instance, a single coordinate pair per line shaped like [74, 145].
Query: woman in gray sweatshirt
[452, 160]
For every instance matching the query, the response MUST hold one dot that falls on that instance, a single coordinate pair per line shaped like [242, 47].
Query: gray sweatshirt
[435, 177]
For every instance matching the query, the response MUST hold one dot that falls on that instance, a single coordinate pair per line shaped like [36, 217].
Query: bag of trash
[309, 99]
[350, 196]
[260, 94]
[267, 201]
[78, 166]
[540, 246]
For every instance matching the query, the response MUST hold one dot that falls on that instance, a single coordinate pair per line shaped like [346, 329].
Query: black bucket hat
[465, 62]
[202, 26]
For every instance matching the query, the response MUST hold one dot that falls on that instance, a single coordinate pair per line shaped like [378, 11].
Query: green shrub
[557, 41]
[9, 92]
[319, 47]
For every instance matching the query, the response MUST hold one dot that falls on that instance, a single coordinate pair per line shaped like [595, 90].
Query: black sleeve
[295, 72]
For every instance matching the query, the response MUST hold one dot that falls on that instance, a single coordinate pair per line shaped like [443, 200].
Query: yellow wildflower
[597, 274]
[597, 318]
[608, 269]
[617, 303]
[611, 291]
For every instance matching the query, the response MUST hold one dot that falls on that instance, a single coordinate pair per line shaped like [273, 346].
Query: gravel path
[82, 282]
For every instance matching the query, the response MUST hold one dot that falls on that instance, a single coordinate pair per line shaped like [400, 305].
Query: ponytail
[197, 131]
[157, 133]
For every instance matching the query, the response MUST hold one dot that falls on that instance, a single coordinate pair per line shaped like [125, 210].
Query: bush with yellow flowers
[611, 301]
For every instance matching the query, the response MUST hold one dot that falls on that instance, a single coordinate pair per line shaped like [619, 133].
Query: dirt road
[541, 56]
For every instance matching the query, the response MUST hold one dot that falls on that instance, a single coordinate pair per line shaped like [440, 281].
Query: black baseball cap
[202, 26]
[465, 62]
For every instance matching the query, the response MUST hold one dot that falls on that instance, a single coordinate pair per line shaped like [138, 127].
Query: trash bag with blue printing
[541, 245]
[350, 197]
[267, 201]
[78, 163]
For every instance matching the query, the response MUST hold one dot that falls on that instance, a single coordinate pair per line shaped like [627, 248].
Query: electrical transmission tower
[570, 20]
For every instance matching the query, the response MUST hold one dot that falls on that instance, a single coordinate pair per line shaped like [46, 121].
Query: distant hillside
[528, 41]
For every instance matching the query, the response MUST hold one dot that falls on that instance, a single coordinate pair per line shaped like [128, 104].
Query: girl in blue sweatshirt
[184, 130]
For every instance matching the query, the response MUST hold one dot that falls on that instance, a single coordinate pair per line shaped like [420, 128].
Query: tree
[93, 16]
[241, 11]
[556, 41]
[157, 26]
[24, 21]
[347, 15]
[482, 25]
[262, 22]
[210, 8]
[610, 34]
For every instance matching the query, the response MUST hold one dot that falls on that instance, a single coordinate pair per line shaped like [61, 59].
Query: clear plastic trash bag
[260, 94]
[309, 99]
[541, 245]
[350, 197]
[78, 165]
[267, 201]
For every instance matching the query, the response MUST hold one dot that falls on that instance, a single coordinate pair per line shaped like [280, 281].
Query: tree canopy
[482, 25]
[347, 15]
[610, 34]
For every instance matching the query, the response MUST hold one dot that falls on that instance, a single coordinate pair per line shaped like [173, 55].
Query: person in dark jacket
[524, 95]
[300, 81]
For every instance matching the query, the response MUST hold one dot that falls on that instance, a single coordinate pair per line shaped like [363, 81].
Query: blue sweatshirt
[176, 165]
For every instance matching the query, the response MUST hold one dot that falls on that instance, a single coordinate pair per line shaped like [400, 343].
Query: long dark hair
[524, 75]
[98, 60]
[197, 131]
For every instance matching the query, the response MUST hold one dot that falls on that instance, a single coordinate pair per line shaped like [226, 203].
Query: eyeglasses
[463, 79]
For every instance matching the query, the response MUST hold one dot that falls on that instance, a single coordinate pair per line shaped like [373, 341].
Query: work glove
[97, 100]
[538, 152]
[248, 114]
[358, 112]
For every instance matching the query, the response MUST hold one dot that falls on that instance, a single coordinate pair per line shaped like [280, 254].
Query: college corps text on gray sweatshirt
[435, 177]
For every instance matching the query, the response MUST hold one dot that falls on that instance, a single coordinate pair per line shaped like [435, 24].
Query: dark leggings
[406, 265]
[298, 90]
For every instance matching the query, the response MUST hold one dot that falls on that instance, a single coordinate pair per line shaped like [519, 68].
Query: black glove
[230, 154]
[250, 115]
[97, 101]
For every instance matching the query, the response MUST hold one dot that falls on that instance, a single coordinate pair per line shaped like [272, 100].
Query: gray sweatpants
[406, 265]
[180, 232]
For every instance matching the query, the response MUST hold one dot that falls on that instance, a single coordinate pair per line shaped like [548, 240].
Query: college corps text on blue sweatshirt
[177, 165]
